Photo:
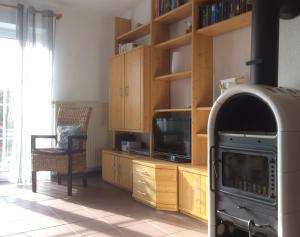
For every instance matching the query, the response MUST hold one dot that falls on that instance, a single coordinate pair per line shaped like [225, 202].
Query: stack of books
[219, 10]
[163, 6]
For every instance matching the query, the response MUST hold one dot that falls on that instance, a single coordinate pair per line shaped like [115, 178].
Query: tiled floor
[99, 210]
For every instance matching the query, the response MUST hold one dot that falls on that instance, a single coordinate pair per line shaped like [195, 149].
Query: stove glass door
[246, 172]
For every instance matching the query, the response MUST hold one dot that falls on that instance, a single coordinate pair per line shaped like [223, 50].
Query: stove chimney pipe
[265, 42]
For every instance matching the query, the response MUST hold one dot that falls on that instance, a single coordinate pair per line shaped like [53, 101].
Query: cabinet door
[133, 90]
[203, 197]
[116, 93]
[125, 173]
[108, 168]
[186, 194]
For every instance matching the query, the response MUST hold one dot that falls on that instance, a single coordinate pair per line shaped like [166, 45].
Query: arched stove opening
[246, 113]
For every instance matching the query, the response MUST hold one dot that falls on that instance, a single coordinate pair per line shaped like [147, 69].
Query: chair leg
[59, 178]
[33, 175]
[84, 180]
[70, 176]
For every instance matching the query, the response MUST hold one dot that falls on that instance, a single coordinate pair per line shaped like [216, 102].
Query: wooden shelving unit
[175, 15]
[227, 25]
[134, 34]
[201, 73]
[174, 76]
[172, 110]
[175, 43]
[125, 34]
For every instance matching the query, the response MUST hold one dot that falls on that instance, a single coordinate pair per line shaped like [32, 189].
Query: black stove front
[245, 182]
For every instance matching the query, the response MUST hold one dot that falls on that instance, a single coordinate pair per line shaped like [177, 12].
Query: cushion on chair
[63, 132]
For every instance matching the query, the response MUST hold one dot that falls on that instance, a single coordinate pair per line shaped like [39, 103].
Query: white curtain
[31, 100]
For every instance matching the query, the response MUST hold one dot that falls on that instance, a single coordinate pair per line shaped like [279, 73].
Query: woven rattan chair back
[70, 115]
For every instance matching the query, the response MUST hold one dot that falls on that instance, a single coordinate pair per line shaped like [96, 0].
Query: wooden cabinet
[193, 192]
[155, 184]
[117, 170]
[129, 91]
[116, 93]
[108, 168]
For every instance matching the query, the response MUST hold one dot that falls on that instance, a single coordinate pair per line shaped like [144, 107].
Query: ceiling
[106, 7]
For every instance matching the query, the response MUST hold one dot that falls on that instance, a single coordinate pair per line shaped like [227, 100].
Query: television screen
[172, 136]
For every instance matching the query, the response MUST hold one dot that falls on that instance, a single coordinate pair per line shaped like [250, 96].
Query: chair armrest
[34, 137]
[70, 141]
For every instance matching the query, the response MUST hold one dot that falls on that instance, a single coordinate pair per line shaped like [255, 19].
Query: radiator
[98, 135]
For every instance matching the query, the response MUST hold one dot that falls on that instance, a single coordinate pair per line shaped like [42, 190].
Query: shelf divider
[172, 110]
[176, 42]
[176, 15]
[227, 25]
[174, 76]
[134, 34]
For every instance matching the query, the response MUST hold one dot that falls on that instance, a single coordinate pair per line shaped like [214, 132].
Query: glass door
[10, 80]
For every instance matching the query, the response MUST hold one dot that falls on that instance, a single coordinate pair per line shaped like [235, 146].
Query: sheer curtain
[32, 111]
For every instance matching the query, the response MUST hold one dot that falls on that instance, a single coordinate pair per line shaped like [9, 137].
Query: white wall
[84, 44]
[289, 53]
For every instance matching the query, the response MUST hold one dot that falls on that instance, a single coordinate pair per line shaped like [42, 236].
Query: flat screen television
[172, 138]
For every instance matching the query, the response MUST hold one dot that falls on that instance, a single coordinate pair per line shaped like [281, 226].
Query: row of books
[219, 10]
[164, 6]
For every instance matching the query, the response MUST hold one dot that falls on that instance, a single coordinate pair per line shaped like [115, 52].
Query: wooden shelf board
[202, 135]
[172, 110]
[136, 33]
[227, 25]
[174, 76]
[204, 108]
[175, 15]
[175, 43]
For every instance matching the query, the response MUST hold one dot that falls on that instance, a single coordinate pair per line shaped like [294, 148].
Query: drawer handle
[141, 193]
[142, 171]
[141, 182]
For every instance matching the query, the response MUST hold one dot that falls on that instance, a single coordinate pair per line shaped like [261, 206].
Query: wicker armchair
[64, 162]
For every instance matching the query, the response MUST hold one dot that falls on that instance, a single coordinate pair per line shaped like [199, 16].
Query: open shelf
[227, 25]
[134, 34]
[175, 15]
[204, 108]
[176, 42]
[172, 110]
[174, 76]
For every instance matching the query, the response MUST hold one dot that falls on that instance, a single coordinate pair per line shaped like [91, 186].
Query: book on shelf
[218, 10]
[164, 6]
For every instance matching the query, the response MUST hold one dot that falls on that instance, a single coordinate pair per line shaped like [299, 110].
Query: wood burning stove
[254, 142]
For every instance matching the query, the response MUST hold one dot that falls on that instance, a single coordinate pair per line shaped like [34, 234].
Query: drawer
[143, 171]
[145, 194]
[144, 184]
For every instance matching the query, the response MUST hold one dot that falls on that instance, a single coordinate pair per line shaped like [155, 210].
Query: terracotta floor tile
[143, 230]
[109, 233]
[58, 231]
[99, 210]
[90, 227]
[189, 233]
[123, 220]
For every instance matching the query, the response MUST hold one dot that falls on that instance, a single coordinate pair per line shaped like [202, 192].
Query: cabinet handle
[141, 171]
[121, 91]
[141, 182]
[141, 193]
[126, 91]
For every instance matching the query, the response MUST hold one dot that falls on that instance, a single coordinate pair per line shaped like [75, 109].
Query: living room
[149, 118]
